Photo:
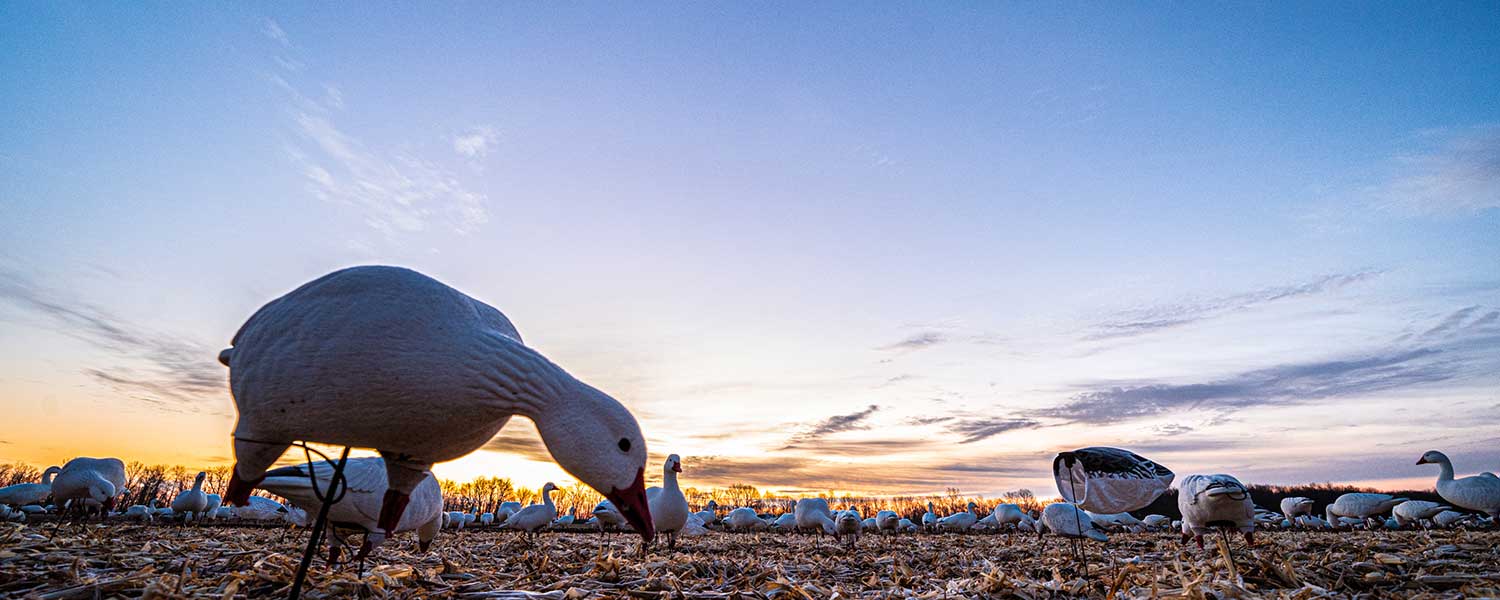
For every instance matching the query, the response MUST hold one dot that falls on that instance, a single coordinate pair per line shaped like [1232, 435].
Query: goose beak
[677, 467]
[632, 504]
[1422, 461]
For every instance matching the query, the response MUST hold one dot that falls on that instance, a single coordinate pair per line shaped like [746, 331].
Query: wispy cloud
[917, 341]
[976, 429]
[476, 143]
[1460, 176]
[834, 424]
[166, 368]
[273, 30]
[1157, 318]
[794, 473]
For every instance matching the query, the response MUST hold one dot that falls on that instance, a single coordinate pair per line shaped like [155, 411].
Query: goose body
[1115, 521]
[191, 503]
[744, 519]
[1217, 500]
[1451, 518]
[960, 521]
[669, 508]
[848, 524]
[1295, 506]
[906, 525]
[887, 521]
[1480, 492]
[360, 507]
[140, 512]
[1010, 514]
[215, 502]
[710, 513]
[536, 516]
[455, 519]
[812, 514]
[1157, 521]
[507, 509]
[566, 520]
[1109, 480]
[608, 516]
[22, 494]
[1068, 520]
[89, 479]
[1414, 511]
[1359, 505]
[487, 518]
[929, 518]
[785, 522]
[259, 508]
[390, 359]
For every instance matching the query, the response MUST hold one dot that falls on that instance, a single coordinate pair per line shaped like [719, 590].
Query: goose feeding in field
[1295, 506]
[390, 359]
[1157, 522]
[506, 509]
[669, 508]
[608, 516]
[986, 524]
[487, 518]
[1451, 518]
[359, 509]
[141, 512]
[812, 514]
[960, 521]
[1070, 521]
[191, 503]
[259, 508]
[744, 519]
[1109, 480]
[212, 509]
[1359, 505]
[929, 518]
[1214, 501]
[22, 494]
[1415, 511]
[1115, 521]
[906, 525]
[567, 519]
[1010, 514]
[531, 519]
[887, 521]
[710, 513]
[848, 524]
[1481, 492]
[89, 479]
[165, 512]
[455, 520]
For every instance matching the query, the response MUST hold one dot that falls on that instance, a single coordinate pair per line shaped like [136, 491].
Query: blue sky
[1259, 240]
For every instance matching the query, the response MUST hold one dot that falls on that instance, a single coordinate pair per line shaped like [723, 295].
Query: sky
[888, 248]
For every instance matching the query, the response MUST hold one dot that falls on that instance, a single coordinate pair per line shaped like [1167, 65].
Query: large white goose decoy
[533, 518]
[1360, 505]
[89, 480]
[960, 521]
[1068, 520]
[669, 508]
[813, 514]
[1480, 492]
[190, 503]
[390, 359]
[1215, 501]
[1414, 511]
[360, 507]
[22, 494]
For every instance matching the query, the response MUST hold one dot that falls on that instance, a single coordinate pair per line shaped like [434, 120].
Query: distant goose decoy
[1070, 521]
[669, 507]
[533, 518]
[1415, 511]
[929, 518]
[1215, 501]
[84, 479]
[607, 516]
[848, 524]
[813, 514]
[390, 359]
[1010, 514]
[360, 507]
[190, 503]
[505, 510]
[22, 494]
[960, 521]
[259, 508]
[1295, 506]
[785, 522]
[1480, 492]
[744, 519]
[1359, 505]
[710, 513]
[888, 521]
[211, 511]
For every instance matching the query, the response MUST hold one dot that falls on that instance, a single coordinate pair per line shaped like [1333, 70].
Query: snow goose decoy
[1157, 522]
[1069, 521]
[1109, 480]
[1010, 514]
[505, 510]
[1359, 505]
[215, 502]
[669, 508]
[930, 518]
[607, 517]
[85, 480]
[359, 508]
[744, 519]
[533, 518]
[848, 523]
[360, 357]
[142, 513]
[1480, 492]
[487, 518]
[190, 503]
[710, 513]
[1415, 511]
[1449, 519]
[22, 494]
[812, 514]
[1215, 501]
[888, 521]
[258, 508]
[785, 522]
[567, 519]
[960, 521]
[1295, 506]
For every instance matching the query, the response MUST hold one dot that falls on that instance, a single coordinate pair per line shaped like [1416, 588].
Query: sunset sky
[864, 247]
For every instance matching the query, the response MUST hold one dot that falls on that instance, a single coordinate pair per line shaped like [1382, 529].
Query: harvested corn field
[129, 561]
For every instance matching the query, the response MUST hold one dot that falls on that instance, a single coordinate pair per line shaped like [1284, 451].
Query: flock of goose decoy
[389, 359]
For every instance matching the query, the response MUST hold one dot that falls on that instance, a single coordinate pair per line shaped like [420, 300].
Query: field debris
[227, 562]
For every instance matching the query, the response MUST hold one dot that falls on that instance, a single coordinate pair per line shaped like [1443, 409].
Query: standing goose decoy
[1360, 505]
[1480, 492]
[669, 508]
[390, 359]
[190, 503]
[929, 518]
[1069, 521]
[533, 518]
[22, 494]
[960, 521]
[1415, 511]
[86, 480]
[360, 507]
[1219, 500]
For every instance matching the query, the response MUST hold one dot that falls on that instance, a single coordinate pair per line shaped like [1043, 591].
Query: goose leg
[251, 459]
[403, 474]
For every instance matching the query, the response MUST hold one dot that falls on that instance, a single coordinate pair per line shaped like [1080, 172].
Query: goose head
[1432, 457]
[594, 438]
[673, 464]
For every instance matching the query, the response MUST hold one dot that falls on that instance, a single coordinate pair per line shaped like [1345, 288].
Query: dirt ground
[219, 561]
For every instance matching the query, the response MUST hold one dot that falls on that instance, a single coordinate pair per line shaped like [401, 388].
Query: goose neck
[668, 478]
[47, 475]
[520, 379]
[547, 498]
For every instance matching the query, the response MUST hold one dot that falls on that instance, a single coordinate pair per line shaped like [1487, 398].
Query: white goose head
[594, 438]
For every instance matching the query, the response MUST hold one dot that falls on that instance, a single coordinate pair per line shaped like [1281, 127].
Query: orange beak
[632, 505]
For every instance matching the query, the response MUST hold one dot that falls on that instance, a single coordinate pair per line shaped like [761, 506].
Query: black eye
[624, 444]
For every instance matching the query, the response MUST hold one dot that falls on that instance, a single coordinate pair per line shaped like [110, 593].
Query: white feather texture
[22, 494]
[532, 518]
[360, 506]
